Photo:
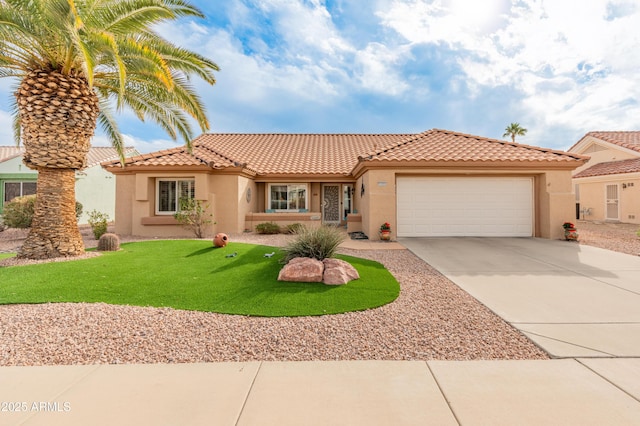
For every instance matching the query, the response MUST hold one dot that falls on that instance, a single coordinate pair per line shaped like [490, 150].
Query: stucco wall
[135, 205]
[593, 196]
[246, 204]
[125, 196]
[379, 202]
[14, 165]
[593, 189]
[95, 187]
[553, 205]
[96, 190]
[555, 196]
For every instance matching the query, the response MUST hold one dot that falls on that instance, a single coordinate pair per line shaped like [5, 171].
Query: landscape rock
[302, 269]
[338, 272]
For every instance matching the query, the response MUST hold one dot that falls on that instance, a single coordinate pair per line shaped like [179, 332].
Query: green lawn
[193, 275]
[5, 255]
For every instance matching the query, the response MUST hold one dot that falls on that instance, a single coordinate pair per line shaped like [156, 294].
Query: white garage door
[465, 206]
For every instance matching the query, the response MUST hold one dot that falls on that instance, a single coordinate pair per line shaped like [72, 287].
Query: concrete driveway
[572, 300]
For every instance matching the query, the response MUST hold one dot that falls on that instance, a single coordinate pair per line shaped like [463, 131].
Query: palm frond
[16, 125]
[109, 126]
[112, 43]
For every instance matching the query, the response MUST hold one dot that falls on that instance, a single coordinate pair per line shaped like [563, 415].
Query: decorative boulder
[338, 272]
[220, 240]
[302, 269]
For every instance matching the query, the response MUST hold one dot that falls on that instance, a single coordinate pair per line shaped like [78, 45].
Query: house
[16, 179]
[95, 187]
[607, 187]
[437, 183]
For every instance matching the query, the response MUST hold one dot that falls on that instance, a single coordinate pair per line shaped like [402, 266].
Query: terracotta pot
[385, 235]
[571, 234]
[220, 240]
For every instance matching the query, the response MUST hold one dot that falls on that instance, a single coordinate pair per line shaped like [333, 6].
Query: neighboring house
[437, 183]
[95, 187]
[16, 179]
[607, 187]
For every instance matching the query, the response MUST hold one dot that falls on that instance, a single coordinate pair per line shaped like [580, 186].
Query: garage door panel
[465, 206]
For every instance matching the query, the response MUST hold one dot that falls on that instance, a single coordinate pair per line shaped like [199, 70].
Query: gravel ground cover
[432, 319]
[619, 237]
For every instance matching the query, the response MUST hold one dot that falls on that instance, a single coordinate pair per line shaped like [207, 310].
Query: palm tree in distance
[73, 59]
[514, 130]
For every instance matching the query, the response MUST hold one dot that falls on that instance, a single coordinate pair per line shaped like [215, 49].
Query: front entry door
[613, 212]
[331, 204]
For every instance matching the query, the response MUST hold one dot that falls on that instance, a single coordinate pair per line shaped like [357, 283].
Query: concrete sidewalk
[572, 300]
[567, 392]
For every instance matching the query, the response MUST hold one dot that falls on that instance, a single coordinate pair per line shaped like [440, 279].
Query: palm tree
[514, 130]
[73, 59]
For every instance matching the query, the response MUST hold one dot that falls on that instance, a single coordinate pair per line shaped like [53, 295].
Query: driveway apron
[572, 300]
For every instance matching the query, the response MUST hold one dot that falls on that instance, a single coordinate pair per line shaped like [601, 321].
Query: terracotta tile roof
[629, 140]
[447, 146]
[338, 154]
[96, 155]
[268, 154]
[177, 157]
[8, 152]
[99, 154]
[611, 168]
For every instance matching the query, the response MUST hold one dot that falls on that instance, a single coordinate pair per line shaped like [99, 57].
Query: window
[347, 200]
[18, 189]
[288, 197]
[169, 192]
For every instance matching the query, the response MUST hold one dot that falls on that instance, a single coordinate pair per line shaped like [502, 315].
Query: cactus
[109, 242]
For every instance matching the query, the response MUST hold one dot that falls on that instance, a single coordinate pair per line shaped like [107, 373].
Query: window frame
[177, 181]
[21, 182]
[290, 187]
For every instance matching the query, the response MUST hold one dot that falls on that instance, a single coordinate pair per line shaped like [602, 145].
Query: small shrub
[109, 242]
[295, 228]
[79, 208]
[98, 222]
[18, 213]
[318, 243]
[193, 215]
[268, 228]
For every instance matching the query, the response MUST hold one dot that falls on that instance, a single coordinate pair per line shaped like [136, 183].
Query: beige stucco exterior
[591, 192]
[237, 202]
[600, 151]
[331, 180]
[593, 198]
[234, 212]
[553, 196]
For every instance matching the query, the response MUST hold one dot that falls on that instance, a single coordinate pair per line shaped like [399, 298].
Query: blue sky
[560, 68]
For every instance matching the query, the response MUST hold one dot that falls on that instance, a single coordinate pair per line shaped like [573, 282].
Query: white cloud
[305, 26]
[379, 69]
[6, 129]
[139, 143]
[571, 60]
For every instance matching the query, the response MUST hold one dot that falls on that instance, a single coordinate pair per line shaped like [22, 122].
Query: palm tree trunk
[57, 117]
[54, 235]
